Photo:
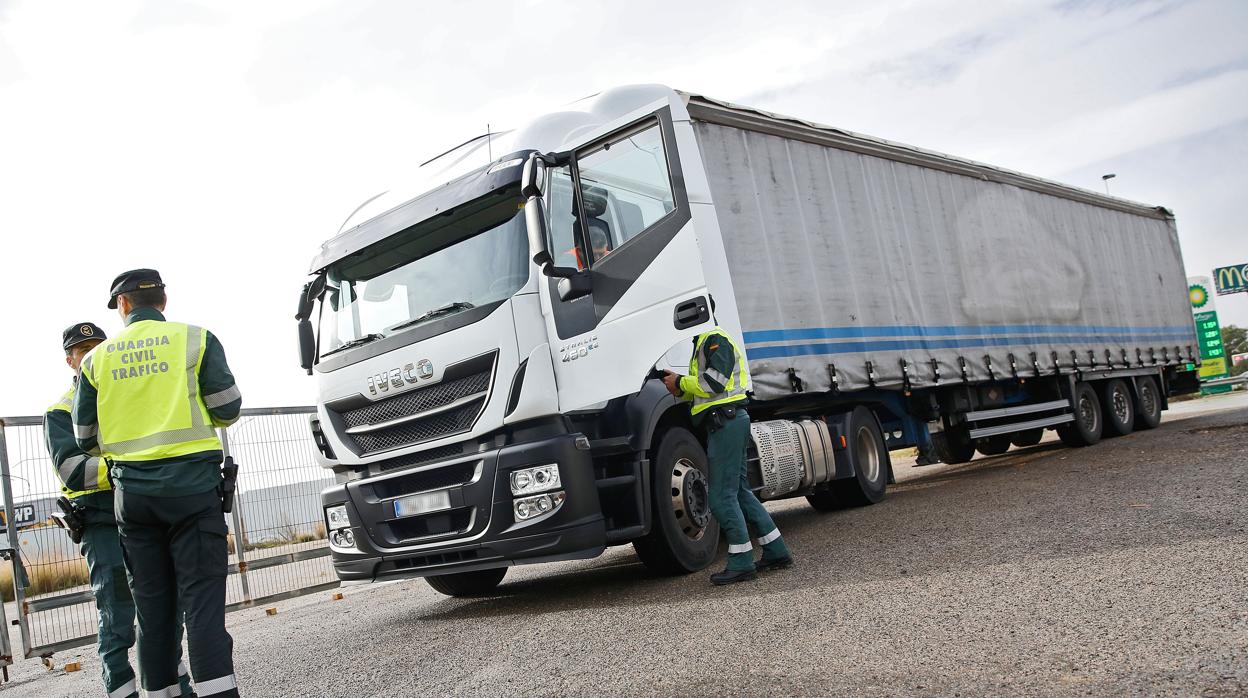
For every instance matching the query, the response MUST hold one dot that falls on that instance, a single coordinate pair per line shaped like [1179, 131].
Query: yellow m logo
[1232, 278]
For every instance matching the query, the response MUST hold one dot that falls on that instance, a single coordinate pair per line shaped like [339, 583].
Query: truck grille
[424, 414]
[436, 478]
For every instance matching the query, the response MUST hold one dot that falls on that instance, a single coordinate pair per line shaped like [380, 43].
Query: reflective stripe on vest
[95, 469]
[148, 402]
[735, 386]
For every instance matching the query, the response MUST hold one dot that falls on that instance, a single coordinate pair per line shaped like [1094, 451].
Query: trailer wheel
[468, 583]
[869, 457]
[1147, 403]
[1118, 406]
[1086, 429]
[953, 445]
[684, 536]
[1031, 437]
[993, 445]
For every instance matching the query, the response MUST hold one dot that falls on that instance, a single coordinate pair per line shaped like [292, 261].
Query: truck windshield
[473, 255]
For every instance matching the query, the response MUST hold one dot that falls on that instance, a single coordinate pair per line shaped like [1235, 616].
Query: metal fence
[276, 531]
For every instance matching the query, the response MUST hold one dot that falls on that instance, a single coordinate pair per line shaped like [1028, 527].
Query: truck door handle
[691, 313]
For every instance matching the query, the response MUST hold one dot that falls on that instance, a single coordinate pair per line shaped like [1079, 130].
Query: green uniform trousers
[733, 502]
[101, 546]
[176, 557]
[113, 604]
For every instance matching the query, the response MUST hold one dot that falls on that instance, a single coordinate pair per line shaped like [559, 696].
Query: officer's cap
[134, 280]
[81, 332]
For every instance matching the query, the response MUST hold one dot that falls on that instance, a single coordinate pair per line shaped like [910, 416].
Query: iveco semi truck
[487, 342]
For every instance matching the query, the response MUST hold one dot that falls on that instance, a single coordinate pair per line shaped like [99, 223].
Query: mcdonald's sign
[1231, 279]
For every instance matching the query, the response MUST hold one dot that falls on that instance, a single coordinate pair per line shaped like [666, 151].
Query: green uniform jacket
[169, 477]
[76, 469]
[721, 360]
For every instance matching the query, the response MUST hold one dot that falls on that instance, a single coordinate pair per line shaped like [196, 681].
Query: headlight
[337, 517]
[539, 479]
[533, 507]
[342, 538]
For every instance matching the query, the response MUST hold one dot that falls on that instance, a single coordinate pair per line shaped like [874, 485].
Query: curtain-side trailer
[486, 346]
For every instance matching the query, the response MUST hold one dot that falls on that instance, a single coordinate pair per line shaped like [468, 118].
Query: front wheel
[683, 535]
[468, 583]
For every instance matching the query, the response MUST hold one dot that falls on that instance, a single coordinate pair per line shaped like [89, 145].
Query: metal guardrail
[277, 538]
[1241, 379]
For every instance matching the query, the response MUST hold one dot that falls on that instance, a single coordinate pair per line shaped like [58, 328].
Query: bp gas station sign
[1213, 362]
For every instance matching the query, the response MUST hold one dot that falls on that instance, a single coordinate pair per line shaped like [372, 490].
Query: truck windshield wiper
[448, 309]
[371, 337]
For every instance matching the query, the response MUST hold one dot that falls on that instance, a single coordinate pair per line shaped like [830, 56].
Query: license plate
[422, 503]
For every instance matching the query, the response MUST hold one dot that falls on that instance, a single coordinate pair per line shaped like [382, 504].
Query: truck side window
[625, 188]
[561, 215]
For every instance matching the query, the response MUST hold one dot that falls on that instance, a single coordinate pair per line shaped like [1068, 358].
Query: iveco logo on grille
[397, 378]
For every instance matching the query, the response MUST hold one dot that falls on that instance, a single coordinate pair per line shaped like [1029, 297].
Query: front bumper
[479, 531]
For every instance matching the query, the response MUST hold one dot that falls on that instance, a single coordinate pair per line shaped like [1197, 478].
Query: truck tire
[1118, 406]
[869, 457]
[953, 445]
[993, 445]
[468, 583]
[683, 536]
[1031, 437]
[1086, 429]
[1147, 403]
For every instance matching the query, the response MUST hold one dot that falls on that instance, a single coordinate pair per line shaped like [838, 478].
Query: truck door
[618, 212]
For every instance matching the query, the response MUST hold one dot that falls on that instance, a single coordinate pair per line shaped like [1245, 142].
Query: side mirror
[575, 286]
[535, 223]
[533, 180]
[307, 338]
[307, 345]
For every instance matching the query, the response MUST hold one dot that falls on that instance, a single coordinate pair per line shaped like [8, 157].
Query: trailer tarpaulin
[849, 264]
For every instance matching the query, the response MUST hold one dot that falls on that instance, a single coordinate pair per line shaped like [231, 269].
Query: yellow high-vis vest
[148, 404]
[735, 386]
[95, 469]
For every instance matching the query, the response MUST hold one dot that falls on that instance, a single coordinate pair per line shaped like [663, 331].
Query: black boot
[780, 563]
[719, 579]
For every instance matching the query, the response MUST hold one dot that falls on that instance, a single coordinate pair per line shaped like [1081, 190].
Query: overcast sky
[221, 143]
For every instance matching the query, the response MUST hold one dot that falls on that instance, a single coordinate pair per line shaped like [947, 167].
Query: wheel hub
[1121, 409]
[1087, 414]
[690, 498]
[868, 453]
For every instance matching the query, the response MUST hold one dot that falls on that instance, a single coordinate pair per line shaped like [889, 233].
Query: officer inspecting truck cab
[717, 384]
[149, 400]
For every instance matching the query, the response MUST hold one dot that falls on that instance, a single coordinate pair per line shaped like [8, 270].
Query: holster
[720, 415]
[70, 518]
[229, 478]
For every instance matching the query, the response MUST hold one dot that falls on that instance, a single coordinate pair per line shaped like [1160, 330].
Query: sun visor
[471, 186]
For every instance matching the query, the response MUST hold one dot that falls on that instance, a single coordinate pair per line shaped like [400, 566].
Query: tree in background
[1235, 341]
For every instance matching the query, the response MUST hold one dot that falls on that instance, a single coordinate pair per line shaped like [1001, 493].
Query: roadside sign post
[1213, 363]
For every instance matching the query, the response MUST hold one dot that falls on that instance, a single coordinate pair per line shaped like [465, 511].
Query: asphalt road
[1114, 570]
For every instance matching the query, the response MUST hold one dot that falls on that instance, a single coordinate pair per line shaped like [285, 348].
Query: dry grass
[45, 577]
[286, 534]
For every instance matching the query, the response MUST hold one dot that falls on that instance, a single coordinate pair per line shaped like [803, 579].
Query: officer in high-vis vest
[149, 399]
[717, 383]
[85, 484]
